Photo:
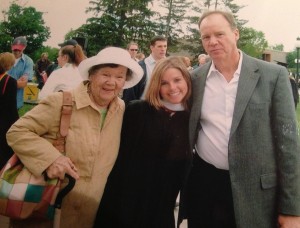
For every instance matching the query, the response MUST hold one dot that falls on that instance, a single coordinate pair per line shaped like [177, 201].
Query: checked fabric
[23, 195]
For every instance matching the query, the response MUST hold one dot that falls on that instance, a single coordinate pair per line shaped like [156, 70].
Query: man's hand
[60, 167]
[288, 221]
[22, 81]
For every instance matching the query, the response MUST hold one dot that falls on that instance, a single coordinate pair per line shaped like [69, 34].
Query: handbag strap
[65, 118]
[66, 112]
[5, 83]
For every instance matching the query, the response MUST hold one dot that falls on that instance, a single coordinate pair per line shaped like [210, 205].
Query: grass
[25, 109]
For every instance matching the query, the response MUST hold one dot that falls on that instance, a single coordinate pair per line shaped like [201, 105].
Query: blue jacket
[24, 66]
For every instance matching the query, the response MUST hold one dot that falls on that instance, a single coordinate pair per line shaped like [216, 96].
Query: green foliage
[277, 47]
[290, 58]
[23, 21]
[116, 23]
[252, 42]
[25, 108]
[52, 53]
[171, 21]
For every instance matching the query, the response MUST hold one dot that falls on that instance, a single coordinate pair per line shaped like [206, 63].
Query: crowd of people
[222, 133]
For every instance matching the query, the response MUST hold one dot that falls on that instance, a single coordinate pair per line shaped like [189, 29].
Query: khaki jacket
[92, 149]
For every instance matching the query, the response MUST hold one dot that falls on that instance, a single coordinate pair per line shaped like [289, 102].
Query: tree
[171, 23]
[252, 42]
[117, 23]
[277, 47]
[291, 59]
[23, 21]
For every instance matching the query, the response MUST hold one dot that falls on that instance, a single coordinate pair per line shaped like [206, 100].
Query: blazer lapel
[247, 83]
[198, 80]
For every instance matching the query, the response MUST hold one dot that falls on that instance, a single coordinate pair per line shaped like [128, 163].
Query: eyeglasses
[133, 49]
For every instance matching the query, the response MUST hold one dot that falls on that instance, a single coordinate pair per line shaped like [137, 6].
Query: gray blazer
[263, 150]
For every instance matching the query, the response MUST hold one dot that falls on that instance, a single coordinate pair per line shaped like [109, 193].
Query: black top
[136, 92]
[8, 114]
[149, 172]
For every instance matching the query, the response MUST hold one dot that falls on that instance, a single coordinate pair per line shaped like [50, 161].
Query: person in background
[202, 59]
[244, 135]
[68, 42]
[294, 90]
[8, 104]
[40, 69]
[52, 67]
[149, 172]
[22, 70]
[68, 76]
[93, 139]
[133, 49]
[187, 62]
[158, 47]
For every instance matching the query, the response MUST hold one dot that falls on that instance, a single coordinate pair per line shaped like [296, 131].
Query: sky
[279, 20]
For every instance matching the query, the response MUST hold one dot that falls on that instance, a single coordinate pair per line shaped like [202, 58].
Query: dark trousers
[209, 197]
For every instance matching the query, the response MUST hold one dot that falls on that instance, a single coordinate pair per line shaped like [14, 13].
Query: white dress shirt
[216, 117]
[150, 64]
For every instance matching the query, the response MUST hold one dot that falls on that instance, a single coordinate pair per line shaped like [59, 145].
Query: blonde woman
[149, 173]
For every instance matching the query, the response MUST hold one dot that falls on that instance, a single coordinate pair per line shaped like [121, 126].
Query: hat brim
[18, 47]
[116, 56]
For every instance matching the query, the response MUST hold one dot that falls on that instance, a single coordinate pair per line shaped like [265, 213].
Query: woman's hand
[60, 167]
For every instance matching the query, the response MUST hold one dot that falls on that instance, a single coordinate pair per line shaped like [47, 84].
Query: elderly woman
[67, 77]
[93, 140]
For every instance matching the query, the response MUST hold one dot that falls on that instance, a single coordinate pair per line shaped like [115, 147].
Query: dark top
[150, 169]
[135, 92]
[295, 91]
[8, 115]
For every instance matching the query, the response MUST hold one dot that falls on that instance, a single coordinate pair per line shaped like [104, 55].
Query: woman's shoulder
[135, 104]
[138, 107]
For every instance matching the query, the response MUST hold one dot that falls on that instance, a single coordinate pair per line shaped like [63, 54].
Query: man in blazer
[243, 131]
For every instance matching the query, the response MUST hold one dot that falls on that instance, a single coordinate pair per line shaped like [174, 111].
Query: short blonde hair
[7, 60]
[152, 94]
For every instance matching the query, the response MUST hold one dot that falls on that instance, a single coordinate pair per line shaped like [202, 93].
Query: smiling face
[106, 83]
[173, 87]
[218, 37]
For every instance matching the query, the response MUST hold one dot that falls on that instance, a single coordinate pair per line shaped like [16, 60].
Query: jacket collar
[82, 99]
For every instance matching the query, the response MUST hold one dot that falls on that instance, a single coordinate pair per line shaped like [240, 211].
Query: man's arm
[286, 139]
[22, 81]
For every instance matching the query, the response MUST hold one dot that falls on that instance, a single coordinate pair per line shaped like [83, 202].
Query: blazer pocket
[268, 181]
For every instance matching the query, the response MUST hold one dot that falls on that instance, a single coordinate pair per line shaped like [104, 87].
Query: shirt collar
[237, 72]
[82, 98]
[150, 59]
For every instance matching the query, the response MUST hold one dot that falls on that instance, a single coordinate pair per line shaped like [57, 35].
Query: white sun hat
[117, 56]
